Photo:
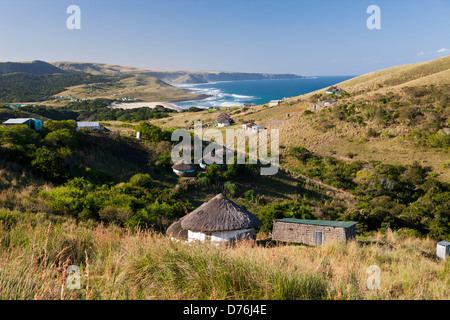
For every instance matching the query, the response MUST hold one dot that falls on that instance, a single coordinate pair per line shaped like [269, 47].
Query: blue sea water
[236, 93]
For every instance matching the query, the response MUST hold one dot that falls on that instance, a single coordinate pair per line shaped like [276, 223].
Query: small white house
[274, 103]
[258, 128]
[219, 220]
[443, 249]
[248, 126]
[223, 123]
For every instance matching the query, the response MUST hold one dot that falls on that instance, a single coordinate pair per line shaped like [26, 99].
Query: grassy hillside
[104, 200]
[434, 72]
[137, 86]
[26, 87]
[395, 116]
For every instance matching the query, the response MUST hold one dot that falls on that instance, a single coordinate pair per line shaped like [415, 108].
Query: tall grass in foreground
[120, 264]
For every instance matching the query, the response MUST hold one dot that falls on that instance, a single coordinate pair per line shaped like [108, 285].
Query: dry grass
[119, 264]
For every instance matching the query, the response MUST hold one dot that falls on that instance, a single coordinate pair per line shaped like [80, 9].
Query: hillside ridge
[170, 76]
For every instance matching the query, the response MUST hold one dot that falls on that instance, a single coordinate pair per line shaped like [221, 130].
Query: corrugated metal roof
[88, 124]
[17, 121]
[343, 224]
[444, 243]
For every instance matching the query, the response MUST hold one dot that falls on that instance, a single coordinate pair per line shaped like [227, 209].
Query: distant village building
[275, 103]
[315, 232]
[184, 169]
[257, 128]
[34, 124]
[223, 123]
[443, 249]
[248, 105]
[219, 220]
[224, 120]
[248, 126]
[317, 106]
[93, 126]
[335, 90]
[329, 101]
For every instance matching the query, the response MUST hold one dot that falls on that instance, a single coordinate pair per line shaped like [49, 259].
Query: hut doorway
[319, 237]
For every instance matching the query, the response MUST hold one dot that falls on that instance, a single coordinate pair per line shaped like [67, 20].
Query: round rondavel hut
[219, 220]
[184, 169]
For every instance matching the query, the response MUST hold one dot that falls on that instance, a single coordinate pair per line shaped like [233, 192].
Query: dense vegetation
[98, 110]
[422, 110]
[393, 196]
[87, 110]
[24, 87]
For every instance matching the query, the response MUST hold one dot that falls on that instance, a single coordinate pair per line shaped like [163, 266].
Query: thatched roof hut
[184, 168]
[218, 215]
[176, 231]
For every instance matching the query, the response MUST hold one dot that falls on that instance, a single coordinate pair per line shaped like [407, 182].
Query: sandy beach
[135, 105]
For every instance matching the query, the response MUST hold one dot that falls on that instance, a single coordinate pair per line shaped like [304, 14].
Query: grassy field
[121, 264]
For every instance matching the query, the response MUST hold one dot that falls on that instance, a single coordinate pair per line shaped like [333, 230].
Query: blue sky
[319, 37]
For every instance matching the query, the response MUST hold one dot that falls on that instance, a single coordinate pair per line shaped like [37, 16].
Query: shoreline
[170, 104]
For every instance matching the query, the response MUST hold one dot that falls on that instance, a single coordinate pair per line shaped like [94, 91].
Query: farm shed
[313, 231]
[220, 220]
[88, 125]
[34, 124]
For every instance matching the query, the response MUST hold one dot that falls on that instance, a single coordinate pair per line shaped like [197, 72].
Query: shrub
[230, 189]
[142, 180]
[115, 215]
[250, 195]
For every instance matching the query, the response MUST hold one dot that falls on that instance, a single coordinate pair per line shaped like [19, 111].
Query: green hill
[26, 87]
[35, 67]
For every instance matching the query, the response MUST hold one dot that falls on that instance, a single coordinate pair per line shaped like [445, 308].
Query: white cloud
[443, 50]
[434, 53]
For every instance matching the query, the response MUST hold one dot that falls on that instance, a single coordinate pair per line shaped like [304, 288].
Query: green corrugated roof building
[313, 231]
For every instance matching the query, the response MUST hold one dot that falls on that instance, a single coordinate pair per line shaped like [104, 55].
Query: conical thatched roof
[219, 214]
[184, 165]
[175, 230]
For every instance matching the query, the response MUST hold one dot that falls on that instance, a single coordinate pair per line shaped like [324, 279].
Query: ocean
[236, 93]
